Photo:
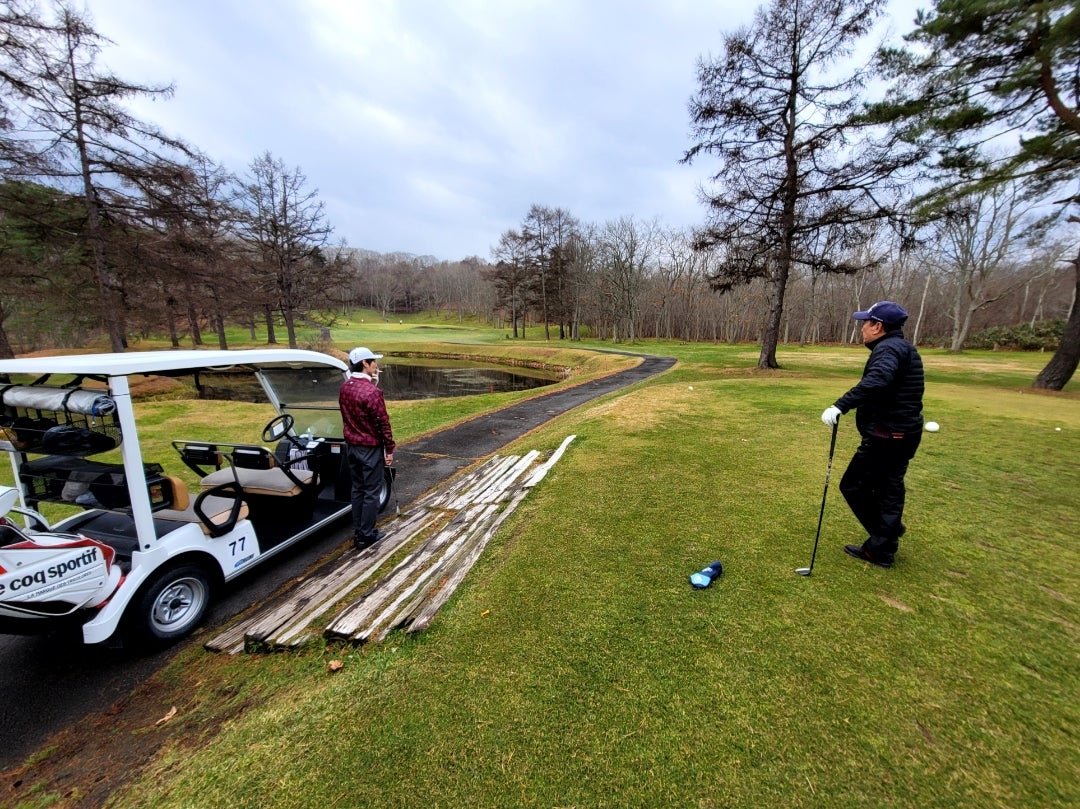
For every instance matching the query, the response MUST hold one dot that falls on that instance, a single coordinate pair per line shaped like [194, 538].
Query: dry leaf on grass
[335, 665]
[167, 717]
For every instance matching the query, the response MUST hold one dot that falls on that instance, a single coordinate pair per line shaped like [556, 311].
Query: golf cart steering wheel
[280, 427]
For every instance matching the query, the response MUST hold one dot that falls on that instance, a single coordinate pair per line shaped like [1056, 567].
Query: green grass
[576, 667]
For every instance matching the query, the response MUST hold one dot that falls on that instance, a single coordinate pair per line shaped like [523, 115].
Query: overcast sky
[431, 126]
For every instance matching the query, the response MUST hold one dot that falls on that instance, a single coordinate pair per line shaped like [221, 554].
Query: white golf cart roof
[165, 362]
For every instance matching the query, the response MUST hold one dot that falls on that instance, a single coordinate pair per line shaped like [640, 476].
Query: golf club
[806, 571]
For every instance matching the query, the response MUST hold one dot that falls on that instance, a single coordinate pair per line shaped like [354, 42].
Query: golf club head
[803, 571]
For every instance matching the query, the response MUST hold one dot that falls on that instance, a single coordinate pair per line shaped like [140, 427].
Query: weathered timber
[449, 527]
[497, 490]
[426, 612]
[489, 476]
[442, 571]
[431, 574]
[441, 497]
[489, 492]
[544, 468]
[356, 614]
[314, 593]
[293, 632]
[419, 615]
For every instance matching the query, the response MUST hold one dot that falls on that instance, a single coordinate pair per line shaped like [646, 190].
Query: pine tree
[1003, 74]
[776, 112]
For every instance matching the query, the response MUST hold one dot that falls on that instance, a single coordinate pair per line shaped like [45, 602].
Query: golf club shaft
[825, 494]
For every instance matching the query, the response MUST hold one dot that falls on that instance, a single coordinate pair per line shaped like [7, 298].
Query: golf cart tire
[387, 488]
[170, 606]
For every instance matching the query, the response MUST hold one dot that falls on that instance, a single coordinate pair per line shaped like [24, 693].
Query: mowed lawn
[576, 667]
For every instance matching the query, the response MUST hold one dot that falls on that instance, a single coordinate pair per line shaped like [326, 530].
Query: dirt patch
[895, 604]
[82, 765]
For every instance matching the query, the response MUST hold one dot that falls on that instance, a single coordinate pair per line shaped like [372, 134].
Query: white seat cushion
[260, 481]
[215, 508]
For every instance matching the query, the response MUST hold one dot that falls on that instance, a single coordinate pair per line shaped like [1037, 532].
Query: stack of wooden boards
[441, 536]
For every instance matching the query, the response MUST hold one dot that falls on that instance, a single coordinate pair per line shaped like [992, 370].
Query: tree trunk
[6, 350]
[769, 340]
[219, 323]
[106, 284]
[922, 311]
[193, 324]
[170, 314]
[271, 338]
[767, 359]
[1062, 366]
[290, 325]
[961, 329]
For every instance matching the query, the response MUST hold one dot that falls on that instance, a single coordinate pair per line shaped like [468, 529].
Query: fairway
[576, 666]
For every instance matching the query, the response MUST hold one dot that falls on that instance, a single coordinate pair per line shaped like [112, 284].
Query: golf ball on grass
[932, 427]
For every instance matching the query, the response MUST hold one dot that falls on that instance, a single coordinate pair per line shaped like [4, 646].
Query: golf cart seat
[255, 469]
[215, 511]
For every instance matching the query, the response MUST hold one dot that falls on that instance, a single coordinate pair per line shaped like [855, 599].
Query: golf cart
[144, 550]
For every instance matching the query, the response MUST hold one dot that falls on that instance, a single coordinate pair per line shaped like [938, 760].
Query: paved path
[426, 463]
[49, 682]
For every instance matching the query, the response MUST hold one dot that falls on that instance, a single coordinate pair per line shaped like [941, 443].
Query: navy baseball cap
[887, 312]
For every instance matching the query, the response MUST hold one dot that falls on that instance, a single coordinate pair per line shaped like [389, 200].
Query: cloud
[430, 126]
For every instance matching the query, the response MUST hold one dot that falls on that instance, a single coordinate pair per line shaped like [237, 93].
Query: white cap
[359, 354]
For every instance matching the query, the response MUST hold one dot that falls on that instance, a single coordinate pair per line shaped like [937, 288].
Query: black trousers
[873, 486]
[366, 466]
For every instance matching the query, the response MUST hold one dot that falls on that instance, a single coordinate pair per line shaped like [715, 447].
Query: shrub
[1043, 336]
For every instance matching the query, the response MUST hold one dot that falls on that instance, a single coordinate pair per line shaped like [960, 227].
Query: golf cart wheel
[386, 489]
[172, 605]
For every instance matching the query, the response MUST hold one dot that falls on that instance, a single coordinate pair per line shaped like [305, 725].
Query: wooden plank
[441, 497]
[473, 492]
[365, 631]
[441, 571]
[315, 590]
[442, 595]
[497, 491]
[353, 616]
[263, 622]
[290, 633]
[544, 468]
[410, 595]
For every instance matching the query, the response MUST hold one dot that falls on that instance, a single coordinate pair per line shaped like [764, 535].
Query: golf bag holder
[73, 422]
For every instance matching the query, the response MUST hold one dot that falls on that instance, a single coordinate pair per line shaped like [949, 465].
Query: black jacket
[889, 396]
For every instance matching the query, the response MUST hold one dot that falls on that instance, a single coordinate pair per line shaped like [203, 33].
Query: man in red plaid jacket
[369, 441]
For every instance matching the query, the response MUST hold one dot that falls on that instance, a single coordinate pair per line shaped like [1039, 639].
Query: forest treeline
[823, 201]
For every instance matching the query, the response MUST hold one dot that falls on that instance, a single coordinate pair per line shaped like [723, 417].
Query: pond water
[404, 379]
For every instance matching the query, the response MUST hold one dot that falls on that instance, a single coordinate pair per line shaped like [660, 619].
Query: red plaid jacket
[363, 415]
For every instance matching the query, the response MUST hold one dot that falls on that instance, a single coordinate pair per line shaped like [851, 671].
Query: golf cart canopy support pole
[133, 462]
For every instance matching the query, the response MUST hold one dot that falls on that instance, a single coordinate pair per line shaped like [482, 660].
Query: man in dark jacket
[369, 441]
[888, 405]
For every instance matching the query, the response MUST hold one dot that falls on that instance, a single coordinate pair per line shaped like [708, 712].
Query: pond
[407, 378]
[402, 379]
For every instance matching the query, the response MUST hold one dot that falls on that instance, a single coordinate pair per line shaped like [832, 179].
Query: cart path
[50, 683]
[427, 462]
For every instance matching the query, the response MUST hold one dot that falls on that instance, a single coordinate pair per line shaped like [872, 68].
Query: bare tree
[977, 238]
[547, 235]
[283, 219]
[628, 249]
[83, 136]
[509, 275]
